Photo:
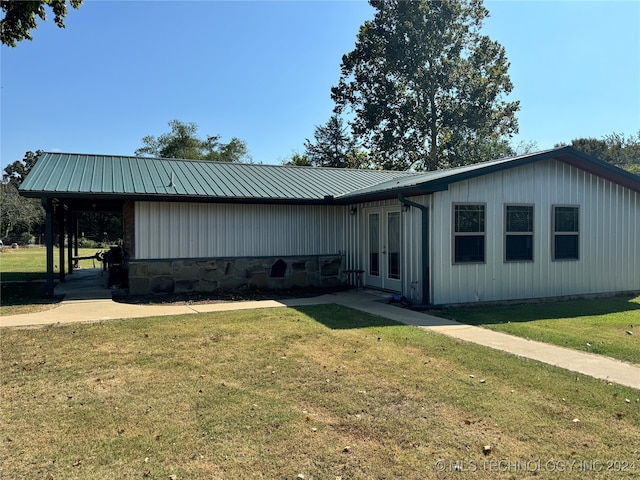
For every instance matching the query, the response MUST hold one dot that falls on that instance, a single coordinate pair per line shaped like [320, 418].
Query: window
[566, 234]
[469, 233]
[393, 239]
[518, 241]
[374, 244]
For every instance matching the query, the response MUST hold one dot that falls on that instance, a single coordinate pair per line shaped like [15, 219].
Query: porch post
[70, 235]
[61, 240]
[76, 228]
[48, 241]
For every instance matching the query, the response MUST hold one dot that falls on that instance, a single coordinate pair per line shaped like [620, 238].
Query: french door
[384, 254]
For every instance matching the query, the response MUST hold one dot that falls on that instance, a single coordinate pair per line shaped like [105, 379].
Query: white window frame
[555, 233]
[530, 233]
[455, 234]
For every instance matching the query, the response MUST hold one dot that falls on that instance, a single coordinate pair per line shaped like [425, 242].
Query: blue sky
[262, 72]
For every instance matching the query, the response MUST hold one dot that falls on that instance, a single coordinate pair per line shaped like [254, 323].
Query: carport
[61, 219]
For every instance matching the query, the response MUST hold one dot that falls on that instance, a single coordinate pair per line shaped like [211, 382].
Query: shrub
[88, 243]
[27, 239]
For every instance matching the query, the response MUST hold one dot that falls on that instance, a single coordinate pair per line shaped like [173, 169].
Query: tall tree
[616, 148]
[426, 88]
[18, 214]
[635, 169]
[297, 159]
[16, 172]
[183, 142]
[523, 147]
[333, 146]
[20, 17]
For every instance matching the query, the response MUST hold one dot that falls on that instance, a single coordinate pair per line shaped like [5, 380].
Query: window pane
[374, 265]
[393, 235]
[394, 265]
[519, 218]
[519, 247]
[469, 248]
[469, 218]
[566, 247]
[374, 244]
[566, 219]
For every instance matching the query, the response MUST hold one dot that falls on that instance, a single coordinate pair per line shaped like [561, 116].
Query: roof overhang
[406, 184]
[602, 169]
[93, 201]
[568, 155]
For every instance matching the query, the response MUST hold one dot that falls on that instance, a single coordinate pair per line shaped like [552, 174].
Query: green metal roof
[65, 175]
[439, 180]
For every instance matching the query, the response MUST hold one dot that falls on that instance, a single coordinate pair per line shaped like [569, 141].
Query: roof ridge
[216, 162]
[218, 181]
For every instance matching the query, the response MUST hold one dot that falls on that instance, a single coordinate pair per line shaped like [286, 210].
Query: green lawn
[598, 325]
[22, 264]
[22, 276]
[323, 391]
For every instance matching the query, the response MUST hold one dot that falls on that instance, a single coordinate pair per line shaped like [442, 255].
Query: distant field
[22, 276]
[18, 264]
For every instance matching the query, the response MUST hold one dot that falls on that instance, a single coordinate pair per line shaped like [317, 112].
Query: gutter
[425, 247]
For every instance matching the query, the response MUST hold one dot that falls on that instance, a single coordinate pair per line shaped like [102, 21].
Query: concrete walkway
[89, 302]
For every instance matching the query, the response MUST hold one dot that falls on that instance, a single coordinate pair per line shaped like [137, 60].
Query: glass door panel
[383, 248]
[374, 245]
[393, 242]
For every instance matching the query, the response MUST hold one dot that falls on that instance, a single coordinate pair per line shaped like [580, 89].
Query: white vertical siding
[609, 236]
[411, 237]
[200, 230]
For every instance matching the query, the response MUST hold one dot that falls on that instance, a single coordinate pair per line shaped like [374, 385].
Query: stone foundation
[208, 275]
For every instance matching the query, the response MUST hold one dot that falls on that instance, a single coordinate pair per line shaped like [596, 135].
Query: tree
[183, 142]
[16, 172]
[18, 214]
[297, 159]
[93, 226]
[615, 148]
[425, 87]
[524, 147]
[234, 151]
[333, 146]
[20, 17]
[635, 169]
[358, 158]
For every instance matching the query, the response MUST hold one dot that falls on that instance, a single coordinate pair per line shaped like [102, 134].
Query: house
[549, 224]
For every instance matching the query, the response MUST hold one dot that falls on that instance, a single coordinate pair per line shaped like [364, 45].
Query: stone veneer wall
[208, 275]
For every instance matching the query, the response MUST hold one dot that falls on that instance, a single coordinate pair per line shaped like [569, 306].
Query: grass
[597, 325]
[22, 276]
[322, 391]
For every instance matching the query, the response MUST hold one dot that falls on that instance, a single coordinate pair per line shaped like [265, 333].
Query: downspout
[425, 246]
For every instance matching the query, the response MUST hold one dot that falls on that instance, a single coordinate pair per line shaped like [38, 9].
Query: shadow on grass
[544, 310]
[26, 293]
[337, 317]
[22, 276]
[218, 296]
